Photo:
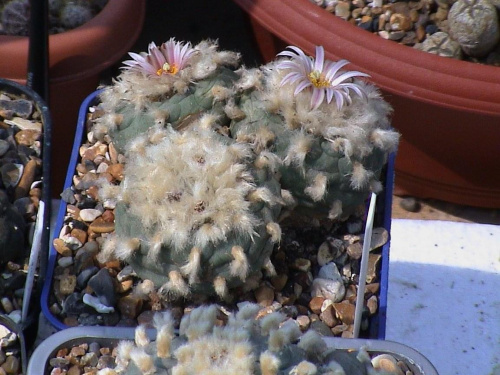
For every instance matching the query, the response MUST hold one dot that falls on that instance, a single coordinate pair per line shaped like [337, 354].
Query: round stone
[441, 44]
[474, 25]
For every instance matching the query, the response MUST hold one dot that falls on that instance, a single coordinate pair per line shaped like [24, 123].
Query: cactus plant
[202, 222]
[243, 345]
[332, 155]
[173, 83]
[214, 150]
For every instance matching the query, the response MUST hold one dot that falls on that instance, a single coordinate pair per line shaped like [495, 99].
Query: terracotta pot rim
[396, 68]
[93, 35]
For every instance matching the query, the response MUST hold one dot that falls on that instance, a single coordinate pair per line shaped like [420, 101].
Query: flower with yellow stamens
[324, 77]
[168, 59]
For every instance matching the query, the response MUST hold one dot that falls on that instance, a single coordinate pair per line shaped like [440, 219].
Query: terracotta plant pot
[76, 58]
[448, 111]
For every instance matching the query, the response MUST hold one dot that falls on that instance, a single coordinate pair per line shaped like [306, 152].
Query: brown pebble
[99, 225]
[372, 305]
[67, 284]
[108, 216]
[130, 306]
[71, 321]
[79, 234]
[345, 312]
[61, 247]
[11, 365]
[74, 370]
[23, 187]
[315, 304]
[116, 171]
[93, 192]
[420, 33]
[264, 295]
[77, 351]
[328, 317]
[27, 137]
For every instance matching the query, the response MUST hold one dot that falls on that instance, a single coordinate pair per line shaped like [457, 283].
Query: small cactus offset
[196, 211]
[174, 83]
[244, 344]
[332, 153]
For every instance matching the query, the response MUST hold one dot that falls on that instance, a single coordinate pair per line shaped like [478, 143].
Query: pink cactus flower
[169, 58]
[324, 77]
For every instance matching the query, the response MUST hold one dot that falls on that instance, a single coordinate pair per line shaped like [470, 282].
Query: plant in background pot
[441, 106]
[185, 189]
[76, 59]
[211, 340]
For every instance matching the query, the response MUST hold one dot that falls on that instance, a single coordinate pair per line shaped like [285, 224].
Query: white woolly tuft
[269, 363]
[239, 265]
[143, 289]
[155, 247]
[376, 186]
[250, 78]
[175, 285]
[198, 322]
[288, 199]
[271, 322]
[268, 160]
[247, 311]
[107, 249]
[221, 93]
[312, 343]
[305, 368]
[385, 139]
[107, 371]
[123, 350]
[207, 121]
[262, 194]
[360, 177]
[300, 145]
[318, 188]
[220, 286]
[164, 337]
[269, 268]
[193, 266]
[274, 230]
[126, 248]
[233, 111]
[143, 361]
[164, 323]
[336, 210]
[141, 337]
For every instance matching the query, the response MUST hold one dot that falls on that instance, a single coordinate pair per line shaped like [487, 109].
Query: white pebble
[89, 214]
[96, 304]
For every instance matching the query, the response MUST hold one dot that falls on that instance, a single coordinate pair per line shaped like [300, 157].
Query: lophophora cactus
[244, 345]
[331, 155]
[214, 151]
[197, 211]
[171, 84]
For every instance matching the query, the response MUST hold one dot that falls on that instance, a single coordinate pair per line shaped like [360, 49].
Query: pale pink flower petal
[323, 76]
[169, 58]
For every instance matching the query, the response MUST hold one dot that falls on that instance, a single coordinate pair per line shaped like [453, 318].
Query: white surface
[444, 294]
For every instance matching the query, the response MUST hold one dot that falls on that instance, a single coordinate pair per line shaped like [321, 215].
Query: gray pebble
[474, 25]
[103, 287]
[410, 204]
